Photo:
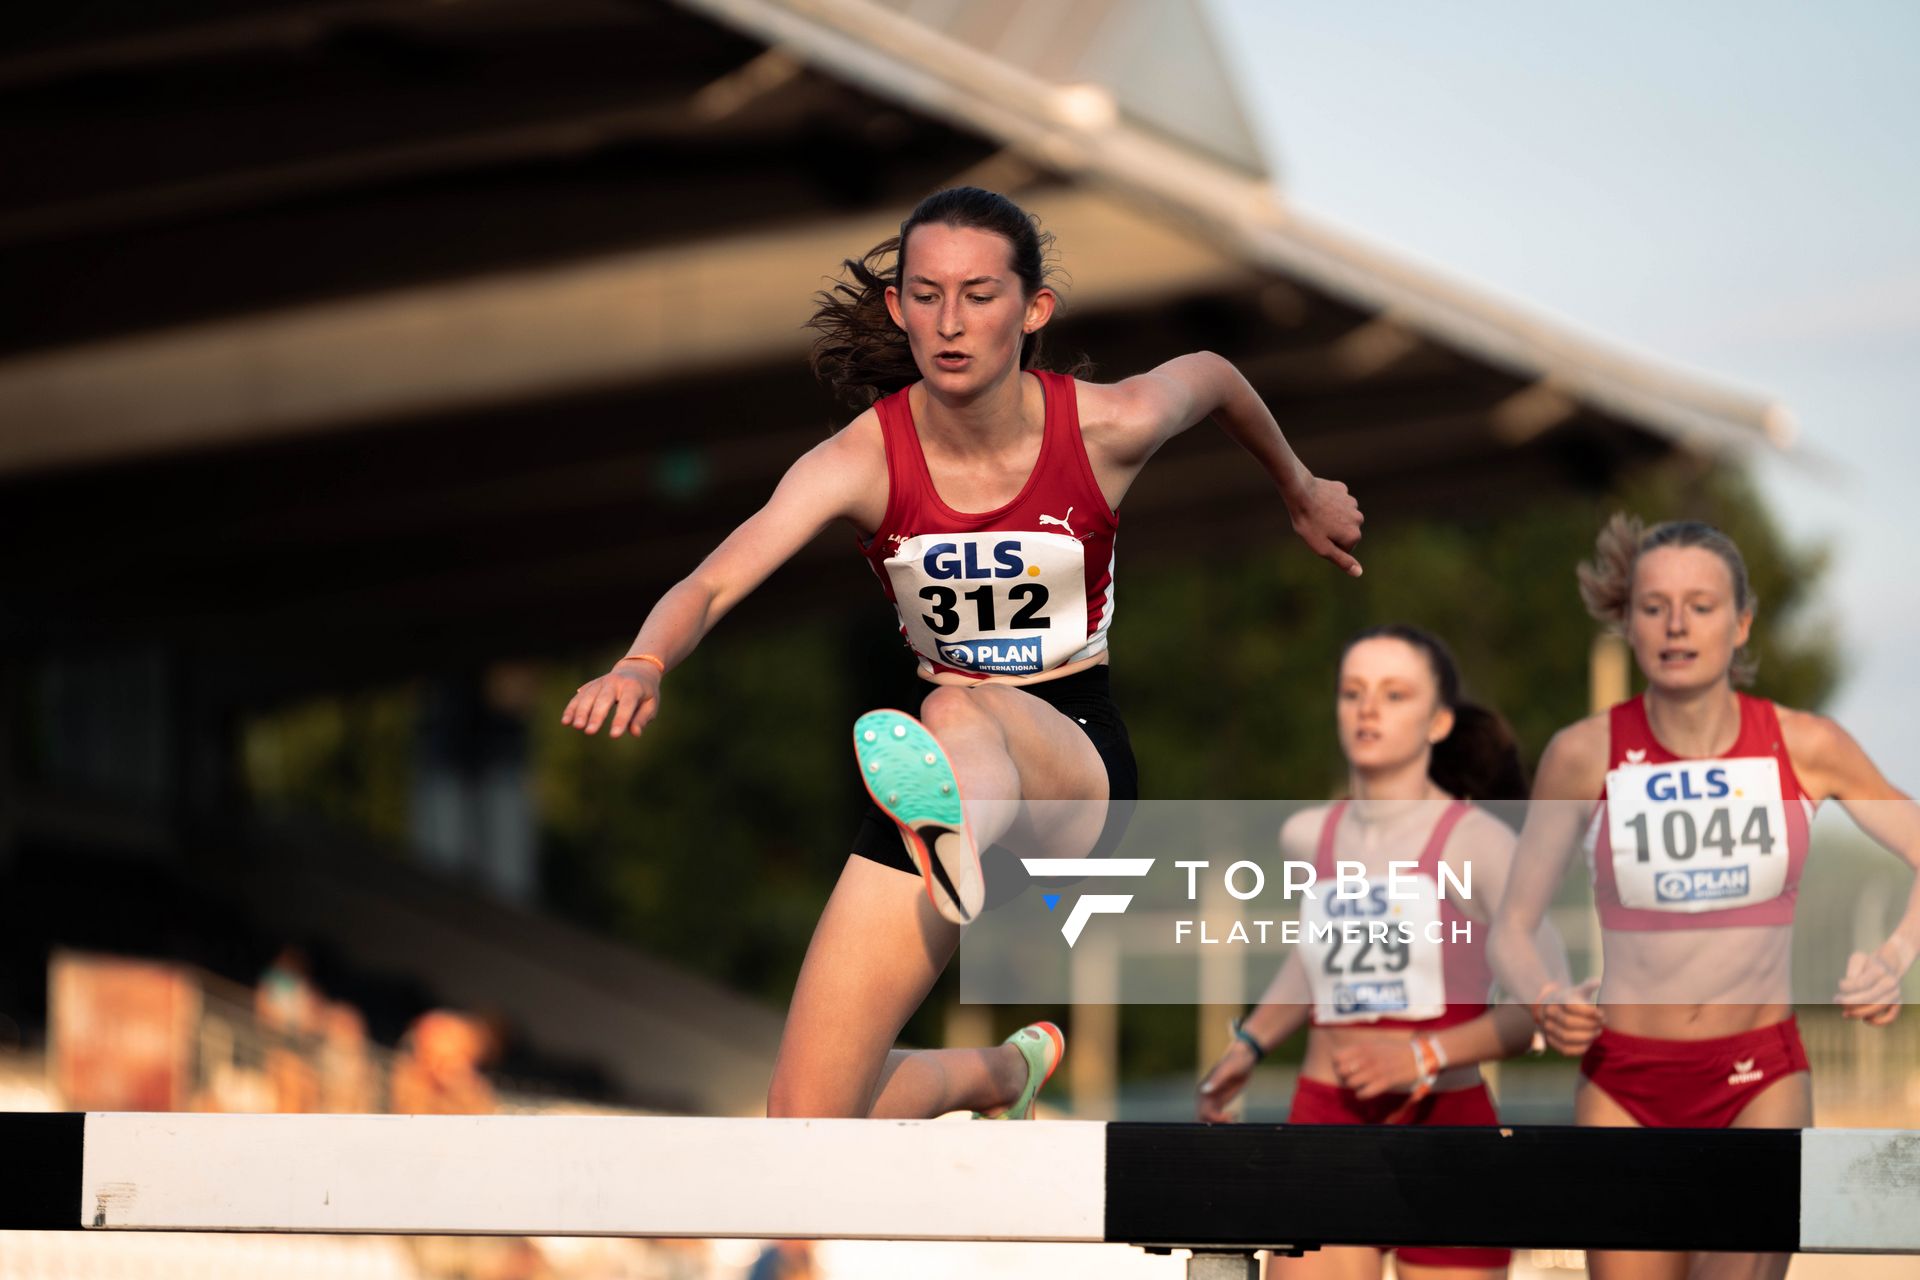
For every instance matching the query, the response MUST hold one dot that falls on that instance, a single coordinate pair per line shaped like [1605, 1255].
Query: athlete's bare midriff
[1733, 980]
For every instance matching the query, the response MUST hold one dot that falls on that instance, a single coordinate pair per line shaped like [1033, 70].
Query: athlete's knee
[955, 707]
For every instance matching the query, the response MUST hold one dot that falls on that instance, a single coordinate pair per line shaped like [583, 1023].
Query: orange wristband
[1426, 1062]
[645, 657]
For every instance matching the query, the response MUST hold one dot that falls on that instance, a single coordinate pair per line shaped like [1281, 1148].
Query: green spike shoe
[908, 775]
[1043, 1046]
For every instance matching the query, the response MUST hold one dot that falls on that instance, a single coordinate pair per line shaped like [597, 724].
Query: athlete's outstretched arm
[835, 479]
[1571, 766]
[1126, 422]
[1832, 765]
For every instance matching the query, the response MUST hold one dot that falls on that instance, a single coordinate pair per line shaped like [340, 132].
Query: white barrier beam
[578, 1175]
[1178, 1185]
[1859, 1191]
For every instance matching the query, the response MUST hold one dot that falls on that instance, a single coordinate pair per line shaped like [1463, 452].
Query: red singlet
[1016, 591]
[1411, 979]
[1708, 842]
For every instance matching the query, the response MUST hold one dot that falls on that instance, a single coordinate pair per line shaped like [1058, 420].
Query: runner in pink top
[1694, 801]
[1392, 980]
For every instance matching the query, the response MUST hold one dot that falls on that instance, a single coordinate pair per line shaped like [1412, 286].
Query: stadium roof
[473, 320]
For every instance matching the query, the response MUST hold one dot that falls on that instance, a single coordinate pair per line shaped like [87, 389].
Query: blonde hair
[1606, 581]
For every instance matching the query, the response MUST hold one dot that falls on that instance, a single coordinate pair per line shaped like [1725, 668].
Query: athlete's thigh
[1594, 1107]
[1787, 1103]
[875, 954]
[1423, 1271]
[1739, 1266]
[1616, 1264]
[1056, 759]
[1342, 1262]
[1063, 781]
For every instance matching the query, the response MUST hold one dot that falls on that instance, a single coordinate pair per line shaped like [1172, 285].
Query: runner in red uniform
[1694, 801]
[1398, 1028]
[983, 492]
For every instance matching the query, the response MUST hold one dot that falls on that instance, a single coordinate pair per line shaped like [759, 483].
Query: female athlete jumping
[1694, 800]
[982, 490]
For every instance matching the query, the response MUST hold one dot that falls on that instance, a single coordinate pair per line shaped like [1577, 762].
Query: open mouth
[1675, 657]
[951, 359]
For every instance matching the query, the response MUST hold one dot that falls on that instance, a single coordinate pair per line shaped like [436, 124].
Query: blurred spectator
[287, 1006]
[347, 1082]
[286, 999]
[438, 1071]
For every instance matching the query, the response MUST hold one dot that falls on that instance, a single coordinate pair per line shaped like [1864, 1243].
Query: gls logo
[1371, 905]
[1089, 904]
[1661, 786]
[951, 560]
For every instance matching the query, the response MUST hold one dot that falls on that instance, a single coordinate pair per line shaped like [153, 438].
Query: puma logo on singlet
[1061, 521]
[1636, 755]
[1743, 1072]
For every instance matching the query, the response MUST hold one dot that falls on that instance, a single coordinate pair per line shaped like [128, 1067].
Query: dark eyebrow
[964, 284]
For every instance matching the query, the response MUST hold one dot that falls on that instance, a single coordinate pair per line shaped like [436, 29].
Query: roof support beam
[670, 312]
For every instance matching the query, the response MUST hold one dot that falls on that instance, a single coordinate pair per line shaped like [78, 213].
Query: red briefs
[1317, 1103]
[1692, 1084]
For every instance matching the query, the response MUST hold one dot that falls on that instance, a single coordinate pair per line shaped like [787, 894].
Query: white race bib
[1697, 835]
[1008, 603]
[1375, 957]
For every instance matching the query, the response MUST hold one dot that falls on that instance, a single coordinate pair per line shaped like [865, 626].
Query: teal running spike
[1043, 1046]
[908, 776]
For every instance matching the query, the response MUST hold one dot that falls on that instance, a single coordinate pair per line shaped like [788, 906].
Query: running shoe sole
[910, 778]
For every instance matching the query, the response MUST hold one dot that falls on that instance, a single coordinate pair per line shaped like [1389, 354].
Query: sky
[1733, 188]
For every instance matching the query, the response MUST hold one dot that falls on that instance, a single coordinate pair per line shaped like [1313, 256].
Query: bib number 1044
[1698, 835]
[1682, 834]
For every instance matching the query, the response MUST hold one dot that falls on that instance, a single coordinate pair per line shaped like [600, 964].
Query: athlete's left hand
[1214, 1102]
[1328, 520]
[1870, 989]
[1377, 1065]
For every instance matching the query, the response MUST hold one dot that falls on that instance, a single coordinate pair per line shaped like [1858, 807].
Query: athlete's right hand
[1214, 1100]
[631, 692]
[1569, 1018]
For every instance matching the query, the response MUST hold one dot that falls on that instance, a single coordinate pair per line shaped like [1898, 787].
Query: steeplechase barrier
[1221, 1191]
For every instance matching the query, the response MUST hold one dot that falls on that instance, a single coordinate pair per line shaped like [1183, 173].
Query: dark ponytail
[1479, 759]
[860, 353]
